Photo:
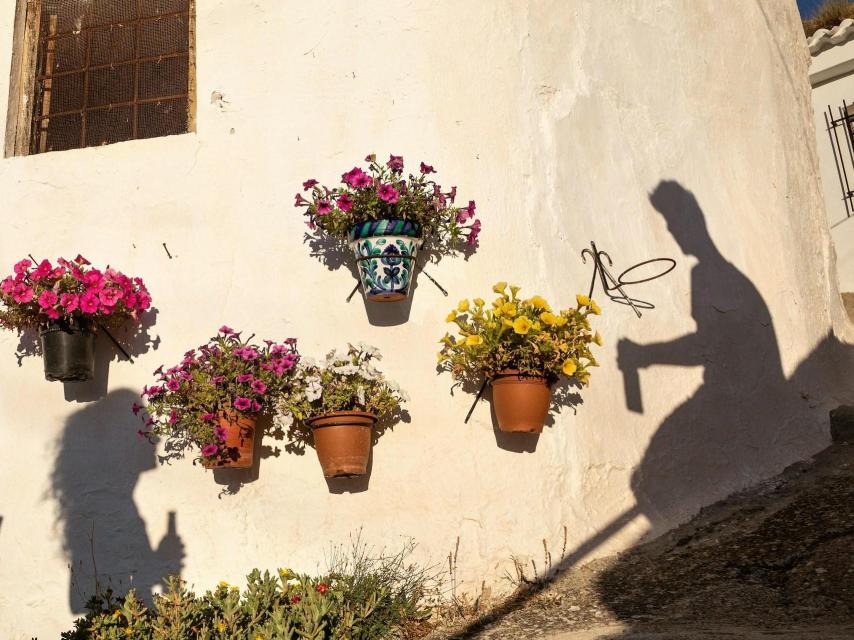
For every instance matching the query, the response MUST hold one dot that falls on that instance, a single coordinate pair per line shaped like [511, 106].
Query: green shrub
[362, 597]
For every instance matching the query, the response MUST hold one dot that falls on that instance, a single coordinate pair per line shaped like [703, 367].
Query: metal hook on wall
[611, 283]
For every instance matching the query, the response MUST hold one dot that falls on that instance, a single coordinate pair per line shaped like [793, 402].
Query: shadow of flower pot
[352, 484]
[335, 253]
[97, 387]
[134, 338]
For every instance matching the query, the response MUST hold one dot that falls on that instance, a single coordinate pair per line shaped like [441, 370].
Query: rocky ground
[774, 561]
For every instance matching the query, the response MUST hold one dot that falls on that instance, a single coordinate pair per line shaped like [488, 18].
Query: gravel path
[776, 561]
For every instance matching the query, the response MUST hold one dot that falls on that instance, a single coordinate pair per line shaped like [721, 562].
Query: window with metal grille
[95, 72]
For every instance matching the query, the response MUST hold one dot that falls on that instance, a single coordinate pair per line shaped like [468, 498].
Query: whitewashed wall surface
[666, 128]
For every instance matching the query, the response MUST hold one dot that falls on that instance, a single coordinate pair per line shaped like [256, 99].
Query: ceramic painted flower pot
[385, 252]
[239, 443]
[343, 442]
[521, 402]
[68, 354]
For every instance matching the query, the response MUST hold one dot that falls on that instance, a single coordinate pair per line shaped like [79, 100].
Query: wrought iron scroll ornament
[610, 284]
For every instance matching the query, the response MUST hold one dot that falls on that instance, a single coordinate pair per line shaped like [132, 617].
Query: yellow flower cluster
[520, 334]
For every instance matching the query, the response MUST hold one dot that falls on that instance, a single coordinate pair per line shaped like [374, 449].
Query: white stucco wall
[560, 119]
[832, 77]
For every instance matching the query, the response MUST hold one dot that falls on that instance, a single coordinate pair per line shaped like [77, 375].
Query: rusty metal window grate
[106, 71]
[841, 126]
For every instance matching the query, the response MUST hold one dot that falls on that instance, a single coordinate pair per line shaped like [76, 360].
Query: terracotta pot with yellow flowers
[522, 347]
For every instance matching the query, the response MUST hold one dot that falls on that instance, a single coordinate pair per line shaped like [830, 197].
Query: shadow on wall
[96, 468]
[744, 416]
[719, 439]
[135, 339]
[335, 253]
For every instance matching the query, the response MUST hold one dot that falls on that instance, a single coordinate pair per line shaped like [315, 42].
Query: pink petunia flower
[466, 213]
[353, 176]
[324, 207]
[209, 450]
[244, 377]
[81, 260]
[259, 387]
[221, 433]
[130, 300]
[152, 392]
[41, 271]
[173, 384]
[173, 416]
[256, 406]
[52, 313]
[299, 201]
[474, 232]
[48, 299]
[388, 193]
[136, 408]
[241, 403]
[143, 300]
[89, 302]
[207, 417]
[22, 293]
[93, 278]
[69, 302]
[362, 181]
[110, 296]
[345, 202]
[226, 330]
[426, 168]
[395, 163]
[218, 379]
[308, 184]
[7, 286]
[22, 266]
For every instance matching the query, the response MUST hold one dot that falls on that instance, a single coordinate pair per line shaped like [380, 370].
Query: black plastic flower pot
[68, 353]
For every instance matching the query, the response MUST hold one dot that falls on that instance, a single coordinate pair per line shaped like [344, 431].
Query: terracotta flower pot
[521, 402]
[343, 442]
[385, 251]
[239, 443]
[68, 354]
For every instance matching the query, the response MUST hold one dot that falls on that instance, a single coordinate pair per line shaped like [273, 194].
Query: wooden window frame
[22, 79]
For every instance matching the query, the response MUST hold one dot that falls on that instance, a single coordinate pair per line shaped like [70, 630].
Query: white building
[832, 78]
[671, 128]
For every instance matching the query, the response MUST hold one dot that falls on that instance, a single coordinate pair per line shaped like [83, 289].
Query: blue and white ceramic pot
[385, 252]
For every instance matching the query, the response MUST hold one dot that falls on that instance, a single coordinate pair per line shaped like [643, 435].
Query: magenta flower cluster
[70, 291]
[211, 385]
[382, 192]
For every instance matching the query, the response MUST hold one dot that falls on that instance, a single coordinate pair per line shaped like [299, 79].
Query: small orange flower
[322, 588]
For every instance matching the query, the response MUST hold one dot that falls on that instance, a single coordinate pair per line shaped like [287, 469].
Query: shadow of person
[723, 438]
[96, 467]
[719, 439]
[726, 436]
